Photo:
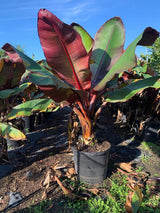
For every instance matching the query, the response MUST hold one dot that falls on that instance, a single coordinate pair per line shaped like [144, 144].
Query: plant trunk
[86, 125]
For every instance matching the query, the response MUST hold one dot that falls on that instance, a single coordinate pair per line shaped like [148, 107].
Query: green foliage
[153, 56]
[7, 130]
[84, 67]
[1, 53]
[86, 38]
[130, 90]
[141, 70]
[6, 93]
[40, 208]
[151, 200]
[151, 146]
[112, 203]
[26, 108]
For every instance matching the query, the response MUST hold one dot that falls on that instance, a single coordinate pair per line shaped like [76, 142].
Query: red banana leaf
[51, 86]
[64, 50]
[10, 73]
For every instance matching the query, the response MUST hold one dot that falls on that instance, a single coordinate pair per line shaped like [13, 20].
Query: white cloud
[67, 10]
[76, 11]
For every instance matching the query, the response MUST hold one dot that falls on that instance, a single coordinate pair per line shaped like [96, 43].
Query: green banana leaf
[129, 91]
[26, 109]
[86, 38]
[124, 60]
[7, 130]
[108, 47]
[6, 93]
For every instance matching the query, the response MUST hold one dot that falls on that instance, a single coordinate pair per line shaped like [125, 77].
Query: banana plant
[86, 69]
[10, 75]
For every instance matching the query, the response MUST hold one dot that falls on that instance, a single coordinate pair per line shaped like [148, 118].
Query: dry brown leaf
[94, 191]
[44, 195]
[70, 172]
[119, 116]
[126, 166]
[123, 172]
[45, 183]
[65, 190]
[54, 167]
[48, 178]
[128, 203]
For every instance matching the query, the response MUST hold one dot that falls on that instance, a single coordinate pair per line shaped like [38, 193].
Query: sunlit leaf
[126, 166]
[86, 38]
[26, 108]
[134, 200]
[129, 91]
[127, 60]
[13, 133]
[14, 53]
[107, 48]
[8, 92]
[64, 50]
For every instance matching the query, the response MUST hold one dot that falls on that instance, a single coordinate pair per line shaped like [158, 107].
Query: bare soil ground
[48, 145]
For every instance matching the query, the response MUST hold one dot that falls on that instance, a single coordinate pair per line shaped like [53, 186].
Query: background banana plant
[12, 93]
[86, 69]
[10, 75]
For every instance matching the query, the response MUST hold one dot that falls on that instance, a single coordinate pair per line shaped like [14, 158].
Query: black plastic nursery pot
[28, 123]
[13, 143]
[91, 167]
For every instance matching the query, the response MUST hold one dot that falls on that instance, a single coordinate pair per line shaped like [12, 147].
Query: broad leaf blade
[10, 73]
[8, 92]
[64, 50]
[129, 91]
[51, 86]
[25, 109]
[86, 38]
[107, 48]
[128, 58]
[13, 133]
[29, 63]
[134, 200]
[56, 89]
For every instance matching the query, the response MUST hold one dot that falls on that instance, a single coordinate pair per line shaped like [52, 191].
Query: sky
[18, 19]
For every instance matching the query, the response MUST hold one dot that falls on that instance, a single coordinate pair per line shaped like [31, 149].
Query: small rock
[14, 199]
[29, 175]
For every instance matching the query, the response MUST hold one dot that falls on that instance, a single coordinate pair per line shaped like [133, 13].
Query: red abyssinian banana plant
[85, 67]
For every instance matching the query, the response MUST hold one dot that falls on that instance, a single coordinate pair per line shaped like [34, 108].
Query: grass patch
[40, 208]
[151, 146]
[111, 198]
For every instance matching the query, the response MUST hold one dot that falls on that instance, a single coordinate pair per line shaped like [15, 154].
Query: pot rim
[92, 153]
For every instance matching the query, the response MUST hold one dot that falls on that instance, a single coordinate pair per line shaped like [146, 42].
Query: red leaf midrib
[55, 28]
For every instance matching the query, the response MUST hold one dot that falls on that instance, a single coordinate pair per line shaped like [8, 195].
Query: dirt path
[49, 145]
